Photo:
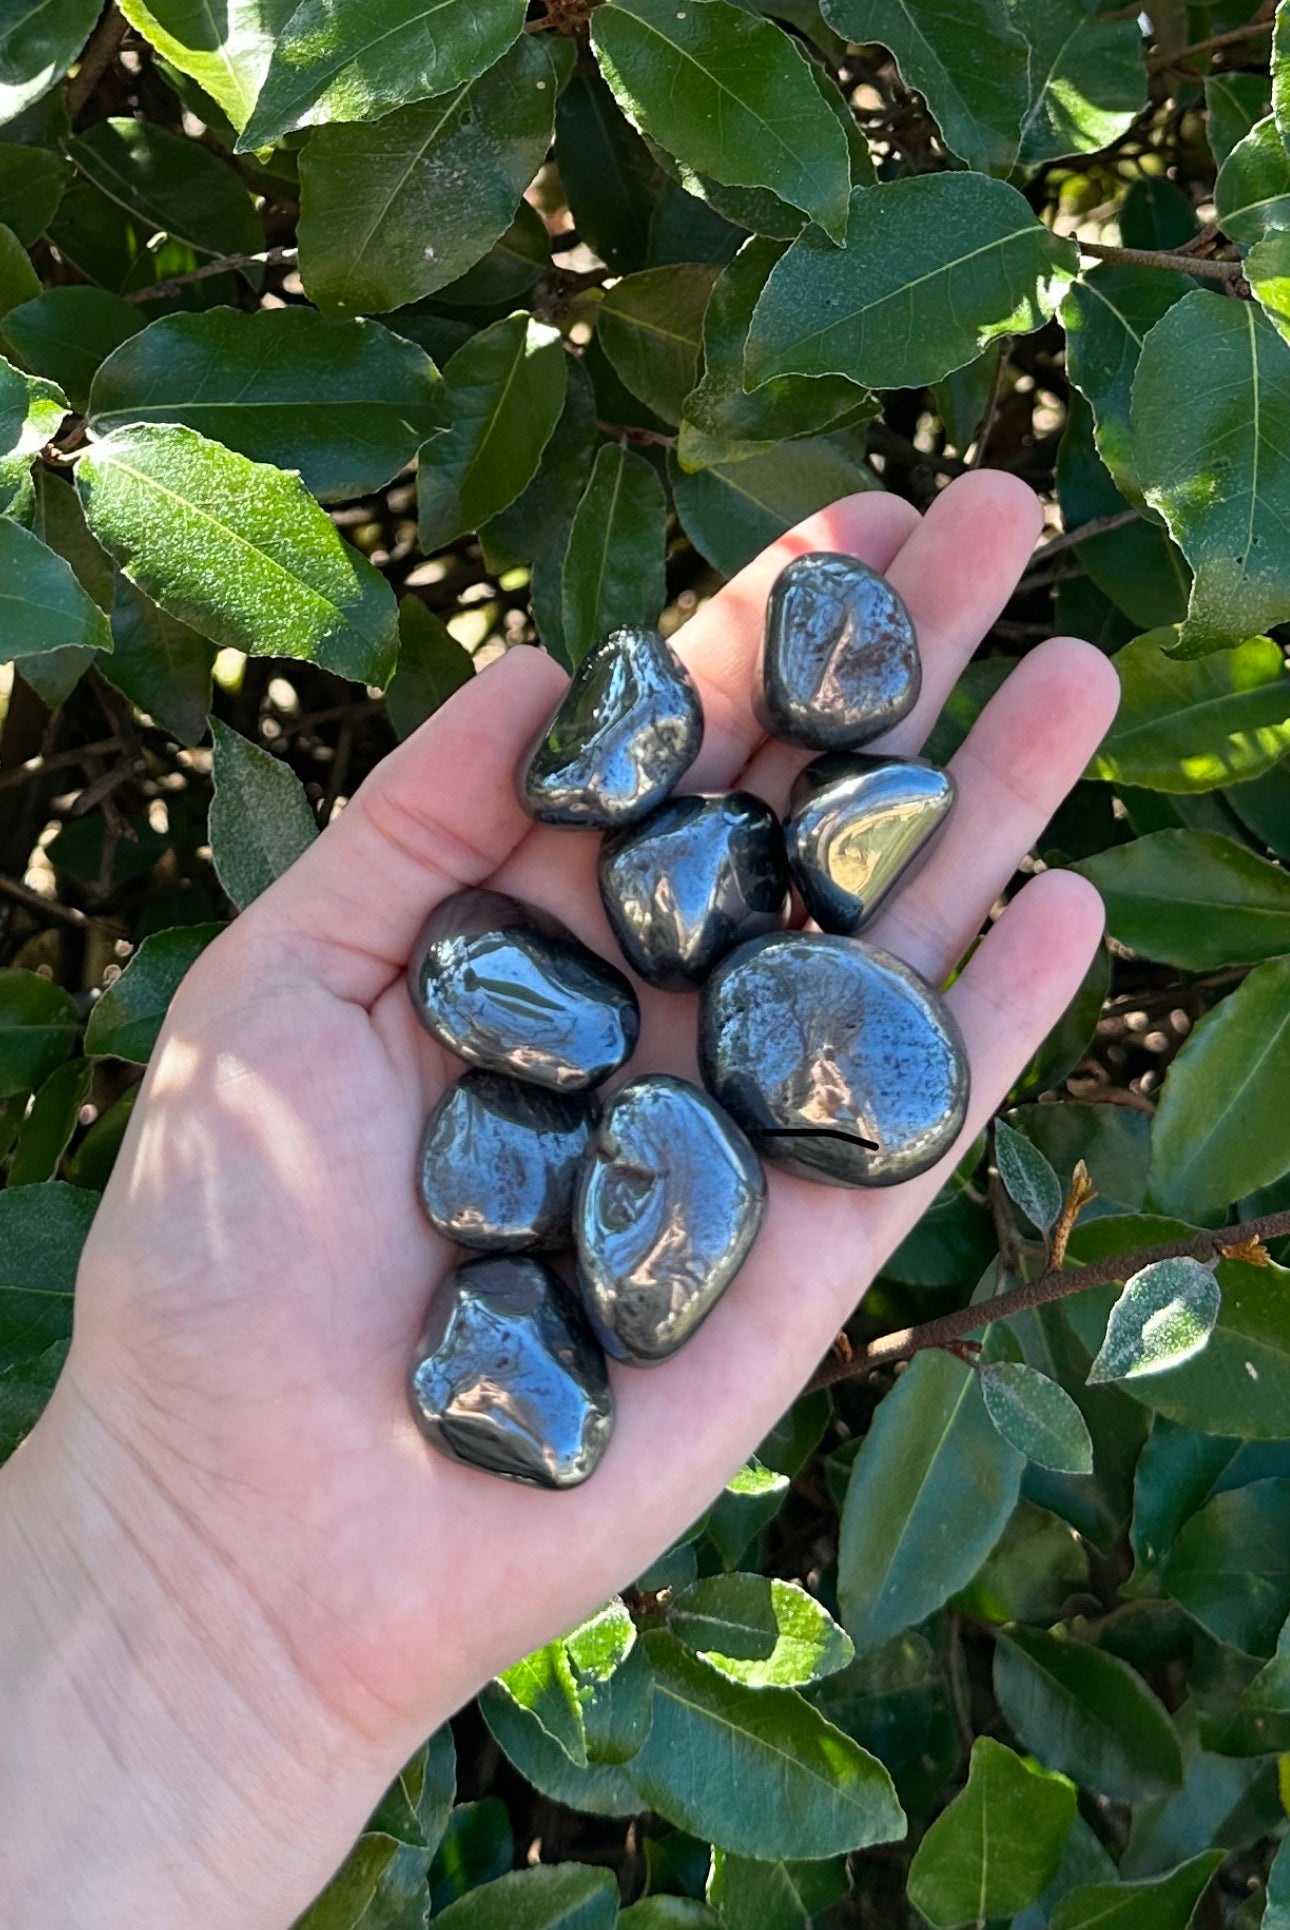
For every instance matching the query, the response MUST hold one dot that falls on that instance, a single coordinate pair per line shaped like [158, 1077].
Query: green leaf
[669, 1913]
[90, 1166]
[346, 404]
[161, 665]
[519, 257]
[1222, 1128]
[395, 210]
[339, 62]
[1028, 1178]
[431, 666]
[42, 606]
[1233, 104]
[756, 1771]
[37, 46]
[543, 1684]
[1193, 725]
[746, 1505]
[260, 819]
[19, 281]
[126, 1020]
[965, 58]
[478, 1846]
[1163, 1317]
[1252, 193]
[650, 326]
[614, 561]
[1195, 899]
[961, 250]
[42, 1231]
[1037, 1417]
[1158, 1903]
[31, 413]
[225, 51]
[765, 1633]
[732, 511]
[616, 1718]
[990, 1853]
[1107, 314]
[1086, 1714]
[504, 391]
[536, 525]
[48, 1128]
[610, 178]
[236, 549]
[1087, 80]
[66, 333]
[1277, 1914]
[730, 95]
[32, 183]
[1230, 1565]
[563, 1896]
[930, 1492]
[753, 1894]
[171, 184]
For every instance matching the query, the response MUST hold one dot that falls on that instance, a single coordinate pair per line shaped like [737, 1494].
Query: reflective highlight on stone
[857, 826]
[840, 663]
[626, 731]
[510, 988]
[670, 1200]
[836, 1059]
[499, 1162]
[691, 881]
[508, 1378]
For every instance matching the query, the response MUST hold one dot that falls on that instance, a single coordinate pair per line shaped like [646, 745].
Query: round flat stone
[507, 1376]
[499, 1162]
[857, 826]
[691, 881]
[624, 734]
[670, 1200]
[511, 989]
[840, 663]
[836, 1059]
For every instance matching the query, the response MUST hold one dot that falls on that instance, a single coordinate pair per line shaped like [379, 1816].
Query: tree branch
[1224, 271]
[101, 50]
[1160, 63]
[161, 291]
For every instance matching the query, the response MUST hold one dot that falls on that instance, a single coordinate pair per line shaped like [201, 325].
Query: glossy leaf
[260, 818]
[1193, 898]
[42, 1231]
[1037, 1417]
[968, 249]
[171, 184]
[1234, 103]
[543, 1684]
[535, 527]
[38, 44]
[1164, 1316]
[991, 1852]
[126, 1020]
[763, 1632]
[1230, 1565]
[650, 326]
[160, 664]
[732, 510]
[47, 1130]
[669, 1913]
[346, 404]
[32, 183]
[226, 51]
[609, 175]
[747, 1504]
[1087, 80]
[31, 413]
[1085, 1713]
[754, 1894]
[38, 1023]
[42, 606]
[1158, 1903]
[614, 562]
[237, 550]
[66, 333]
[617, 1719]
[1027, 1176]
[19, 281]
[1193, 725]
[1252, 193]
[432, 665]
[1107, 313]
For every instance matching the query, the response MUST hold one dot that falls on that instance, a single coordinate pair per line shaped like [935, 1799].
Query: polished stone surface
[510, 988]
[691, 881]
[499, 1162]
[625, 733]
[508, 1378]
[857, 826]
[840, 663]
[835, 1058]
[670, 1200]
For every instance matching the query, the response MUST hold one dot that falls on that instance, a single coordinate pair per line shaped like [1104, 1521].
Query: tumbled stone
[670, 1200]
[499, 1162]
[510, 988]
[507, 1376]
[836, 1059]
[857, 826]
[691, 881]
[625, 732]
[840, 663]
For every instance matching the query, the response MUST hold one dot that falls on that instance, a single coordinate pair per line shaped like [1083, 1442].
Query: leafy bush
[640, 285]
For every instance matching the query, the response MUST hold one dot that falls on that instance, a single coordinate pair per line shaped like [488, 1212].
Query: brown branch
[1224, 271]
[223, 264]
[977, 455]
[1097, 526]
[67, 914]
[625, 432]
[1054, 1284]
[101, 50]
[1160, 63]
[57, 761]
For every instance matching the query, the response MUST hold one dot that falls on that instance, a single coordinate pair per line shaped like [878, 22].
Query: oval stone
[857, 826]
[499, 1162]
[836, 1059]
[510, 988]
[691, 881]
[624, 734]
[840, 663]
[507, 1376]
[670, 1200]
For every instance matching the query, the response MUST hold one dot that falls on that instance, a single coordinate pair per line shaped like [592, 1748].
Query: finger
[955, 573]
[440, 812]
[1023, 754]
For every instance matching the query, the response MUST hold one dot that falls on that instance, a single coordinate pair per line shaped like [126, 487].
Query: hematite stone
[835, 1058]
[670, 1200]
[507, 1376]
[840, 663]
[510, 988]
[627, 729]
[499, 1162]
[692, 880]
[856, 826]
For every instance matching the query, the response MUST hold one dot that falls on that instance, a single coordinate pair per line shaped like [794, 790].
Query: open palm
[258, 1272]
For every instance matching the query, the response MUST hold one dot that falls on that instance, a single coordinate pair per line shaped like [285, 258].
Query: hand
[233, 1419]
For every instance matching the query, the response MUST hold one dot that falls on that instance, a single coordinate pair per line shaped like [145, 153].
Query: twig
[1096, 526]
[161, 290]
[627, 433]
[1054, 1284]
[1081, 1193]
[1224, 271]
[104, 45]
[69, 915]
[1159, 63]
[991, 408]
[56, 761]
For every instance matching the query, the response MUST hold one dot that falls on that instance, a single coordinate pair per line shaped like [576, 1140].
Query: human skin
[236, 1587]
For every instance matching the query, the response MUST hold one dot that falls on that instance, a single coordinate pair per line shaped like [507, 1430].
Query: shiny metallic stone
[510, 988]
[507, 1376]
[835, 1058]
[627, 729]
[840, 663]
[856, 826]
[499, 1162]
[670, 1199]
[691, 881]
